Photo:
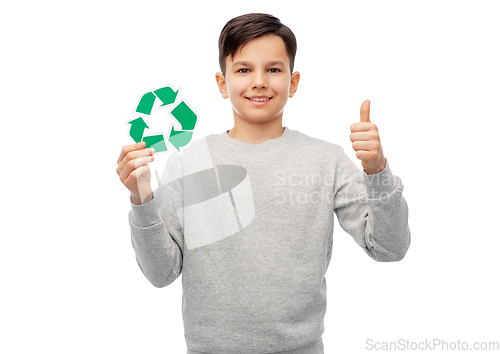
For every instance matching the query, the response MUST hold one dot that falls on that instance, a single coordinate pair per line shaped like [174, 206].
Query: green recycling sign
[182, 113]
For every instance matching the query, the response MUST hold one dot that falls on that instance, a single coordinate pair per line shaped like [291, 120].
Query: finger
[365, 146]
[128, 148]
[360, 136]
[363, 155]
[361, 127]
[135, 175]
[133, 165]
[365, 111]
[132, 155]
[371, 134]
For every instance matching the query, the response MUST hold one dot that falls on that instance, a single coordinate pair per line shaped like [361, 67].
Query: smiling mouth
[258, 99]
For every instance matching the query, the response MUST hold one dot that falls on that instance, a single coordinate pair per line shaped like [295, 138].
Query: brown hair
[242, 29]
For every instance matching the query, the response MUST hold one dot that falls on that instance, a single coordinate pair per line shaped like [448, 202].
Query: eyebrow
[271, 63]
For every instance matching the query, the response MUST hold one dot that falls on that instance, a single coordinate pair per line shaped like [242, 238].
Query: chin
[259, 119]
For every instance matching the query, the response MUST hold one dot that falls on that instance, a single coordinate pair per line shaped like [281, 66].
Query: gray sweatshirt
[250, 228]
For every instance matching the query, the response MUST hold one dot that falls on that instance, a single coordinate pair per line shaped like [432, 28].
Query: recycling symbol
[182, 113]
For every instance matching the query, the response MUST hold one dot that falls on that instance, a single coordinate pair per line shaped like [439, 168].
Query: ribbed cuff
[144, 215]
[380, 185]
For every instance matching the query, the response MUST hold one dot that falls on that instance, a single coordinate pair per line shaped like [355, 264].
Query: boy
[247, 215]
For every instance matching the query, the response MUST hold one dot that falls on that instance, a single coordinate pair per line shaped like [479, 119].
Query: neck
[256, 133]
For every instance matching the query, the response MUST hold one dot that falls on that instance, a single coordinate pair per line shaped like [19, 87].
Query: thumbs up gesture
[366, 142]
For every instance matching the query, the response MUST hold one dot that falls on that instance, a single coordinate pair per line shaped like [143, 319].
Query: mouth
[259, 99]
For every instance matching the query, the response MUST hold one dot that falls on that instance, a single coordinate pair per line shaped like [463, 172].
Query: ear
[221, 84]
[294, 83]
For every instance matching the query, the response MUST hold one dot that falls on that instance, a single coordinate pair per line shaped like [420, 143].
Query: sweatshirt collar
[266, 145]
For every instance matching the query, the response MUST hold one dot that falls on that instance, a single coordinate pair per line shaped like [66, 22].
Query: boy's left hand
[366, 141]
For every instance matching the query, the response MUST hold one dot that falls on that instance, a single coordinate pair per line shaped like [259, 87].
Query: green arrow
[156, 142]
[185, 116]
[146, 104]
[179, 138]
[137, 128]
[166, 95]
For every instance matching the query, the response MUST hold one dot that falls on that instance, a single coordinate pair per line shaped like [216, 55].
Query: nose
[259, 80]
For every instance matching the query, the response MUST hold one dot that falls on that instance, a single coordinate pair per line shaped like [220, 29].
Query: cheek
[235, 87]
[281, 86]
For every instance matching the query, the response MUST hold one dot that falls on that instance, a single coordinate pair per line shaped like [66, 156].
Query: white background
[72, 74]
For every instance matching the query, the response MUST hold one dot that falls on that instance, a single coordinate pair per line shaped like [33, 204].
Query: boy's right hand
[134, 171]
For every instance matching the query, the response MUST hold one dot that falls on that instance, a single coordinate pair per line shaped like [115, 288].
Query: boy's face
[260, 69]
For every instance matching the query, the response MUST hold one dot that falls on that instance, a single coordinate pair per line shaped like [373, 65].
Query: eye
[239, 71]
[277, 70]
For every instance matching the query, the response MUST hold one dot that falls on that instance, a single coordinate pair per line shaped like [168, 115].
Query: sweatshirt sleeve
[156, 230]
[371, 208]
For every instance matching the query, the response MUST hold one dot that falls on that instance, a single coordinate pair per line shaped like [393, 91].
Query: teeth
[260, 99]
